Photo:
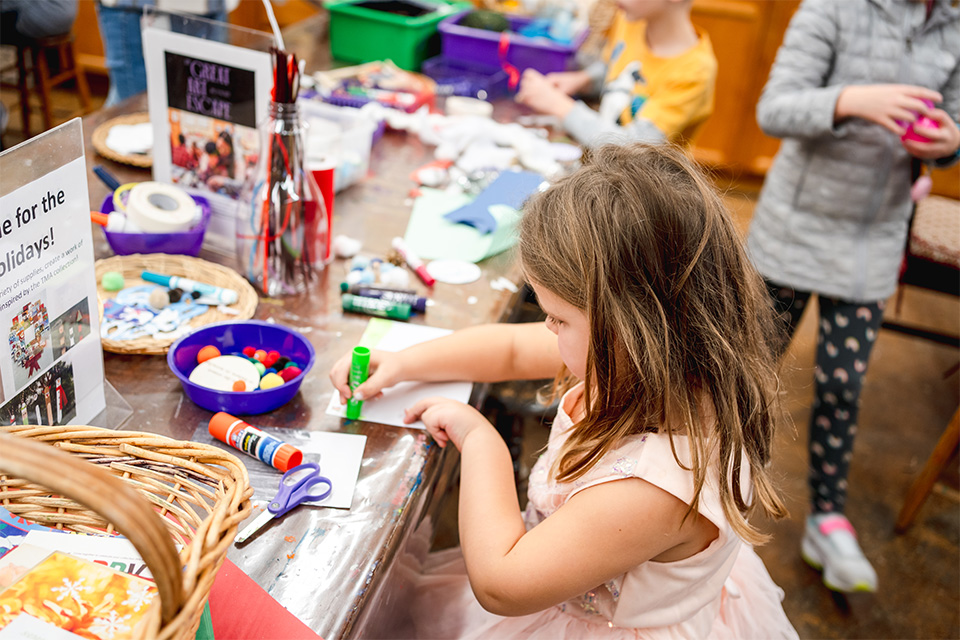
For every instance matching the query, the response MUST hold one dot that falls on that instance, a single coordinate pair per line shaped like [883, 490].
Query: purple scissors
[297, 485]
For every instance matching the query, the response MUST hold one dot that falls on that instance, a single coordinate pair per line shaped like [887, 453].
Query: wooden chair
[932, 262]
[33, 57]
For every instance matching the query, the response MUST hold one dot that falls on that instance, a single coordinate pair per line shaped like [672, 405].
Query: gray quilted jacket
[833, 213]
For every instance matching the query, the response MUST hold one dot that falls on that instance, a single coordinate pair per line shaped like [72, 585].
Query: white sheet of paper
[387, 335]
[339, 456]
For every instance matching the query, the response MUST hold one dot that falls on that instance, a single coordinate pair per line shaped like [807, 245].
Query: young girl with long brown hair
[637, 518]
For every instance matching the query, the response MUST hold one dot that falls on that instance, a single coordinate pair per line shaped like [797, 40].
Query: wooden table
[344, 579]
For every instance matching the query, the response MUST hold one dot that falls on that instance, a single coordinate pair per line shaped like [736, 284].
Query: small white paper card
[387, 335]
[338, 454]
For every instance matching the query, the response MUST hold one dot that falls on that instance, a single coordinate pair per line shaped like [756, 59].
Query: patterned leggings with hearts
[846, 335]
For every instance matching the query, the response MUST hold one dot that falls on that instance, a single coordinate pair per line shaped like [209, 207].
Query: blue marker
[221, 295]
[106, 177]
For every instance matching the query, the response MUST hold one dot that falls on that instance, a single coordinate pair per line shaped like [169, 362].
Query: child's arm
[486, 353]
[599, 534]
[664, 115]
[796, 101]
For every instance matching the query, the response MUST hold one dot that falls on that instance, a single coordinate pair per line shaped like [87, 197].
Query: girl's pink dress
[722, 592]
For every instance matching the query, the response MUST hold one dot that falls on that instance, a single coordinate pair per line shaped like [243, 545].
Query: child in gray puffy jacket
[833, 215]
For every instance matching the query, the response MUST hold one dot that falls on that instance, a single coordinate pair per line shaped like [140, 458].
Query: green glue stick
[359, 368]
[376, 307]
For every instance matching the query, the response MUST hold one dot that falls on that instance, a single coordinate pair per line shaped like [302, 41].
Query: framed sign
[205, 99]
[51, 362]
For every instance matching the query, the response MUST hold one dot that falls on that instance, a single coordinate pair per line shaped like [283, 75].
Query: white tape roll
[156, 207]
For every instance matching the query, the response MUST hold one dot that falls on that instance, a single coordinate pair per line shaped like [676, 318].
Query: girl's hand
[944, 141]
[385, 371]
[538, 93]
[446, 420]
[569, 82]
[884, 104]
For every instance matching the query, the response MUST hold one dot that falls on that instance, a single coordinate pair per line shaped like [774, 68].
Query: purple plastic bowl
[184, 242]
[231, 338]
[469, 79]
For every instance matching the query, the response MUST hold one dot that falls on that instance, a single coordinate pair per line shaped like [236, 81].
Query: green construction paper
[205, 630]
[431, 237]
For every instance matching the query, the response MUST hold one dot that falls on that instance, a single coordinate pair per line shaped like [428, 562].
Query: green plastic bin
[359, 33]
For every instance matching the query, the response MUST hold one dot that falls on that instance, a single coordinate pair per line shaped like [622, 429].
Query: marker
[413, 261]
[375, 307]
[106, 177]
[359, 370]
[219, 294]
[252, 441]
[418, 304]
[346, 287]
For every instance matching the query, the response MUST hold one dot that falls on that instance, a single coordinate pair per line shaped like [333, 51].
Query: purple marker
[418, 304]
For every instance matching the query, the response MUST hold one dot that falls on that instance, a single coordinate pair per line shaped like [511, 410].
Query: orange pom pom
[239, 385]
[207, 353]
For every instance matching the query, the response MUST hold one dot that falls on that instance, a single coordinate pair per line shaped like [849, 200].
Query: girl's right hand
[385, 371]
[884, 104]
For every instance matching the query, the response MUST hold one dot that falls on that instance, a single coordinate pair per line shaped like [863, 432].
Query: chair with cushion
[932, 262]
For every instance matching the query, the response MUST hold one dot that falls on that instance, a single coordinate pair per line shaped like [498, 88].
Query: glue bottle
[247, 438]
[115, 222]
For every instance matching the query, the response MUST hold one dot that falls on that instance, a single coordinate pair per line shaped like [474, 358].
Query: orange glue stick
[252, 441]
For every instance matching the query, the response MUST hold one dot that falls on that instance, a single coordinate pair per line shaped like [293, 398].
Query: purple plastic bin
[469, 79]
[231, 338]
[185, 242]
[482, 47]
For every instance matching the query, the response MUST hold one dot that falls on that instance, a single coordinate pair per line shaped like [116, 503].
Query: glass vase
[282, 225]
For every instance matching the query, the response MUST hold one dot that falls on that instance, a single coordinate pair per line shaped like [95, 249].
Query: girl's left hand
[446, 420]
[944, 140]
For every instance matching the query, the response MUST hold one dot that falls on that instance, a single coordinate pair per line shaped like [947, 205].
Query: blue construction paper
[511, 188]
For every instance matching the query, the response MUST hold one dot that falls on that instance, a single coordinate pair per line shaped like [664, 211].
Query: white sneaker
[830, 544]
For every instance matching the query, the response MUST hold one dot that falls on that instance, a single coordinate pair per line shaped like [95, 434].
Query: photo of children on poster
[211, 112]
[70, 328]
[48, 400]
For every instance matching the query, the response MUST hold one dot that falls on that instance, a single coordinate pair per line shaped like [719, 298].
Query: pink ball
[922, 121]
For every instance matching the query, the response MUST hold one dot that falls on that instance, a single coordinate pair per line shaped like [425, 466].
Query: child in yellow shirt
[657, 78]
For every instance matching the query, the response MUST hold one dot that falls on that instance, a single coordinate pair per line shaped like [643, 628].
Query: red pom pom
[289, 373]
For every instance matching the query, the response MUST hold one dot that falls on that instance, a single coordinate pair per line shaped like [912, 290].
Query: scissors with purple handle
[297, 485]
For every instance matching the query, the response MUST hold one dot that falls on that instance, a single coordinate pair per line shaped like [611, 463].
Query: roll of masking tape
[156, 207]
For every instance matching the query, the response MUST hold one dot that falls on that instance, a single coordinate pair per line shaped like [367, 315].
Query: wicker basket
[100, 141]
[152, 489]
[174, 265]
